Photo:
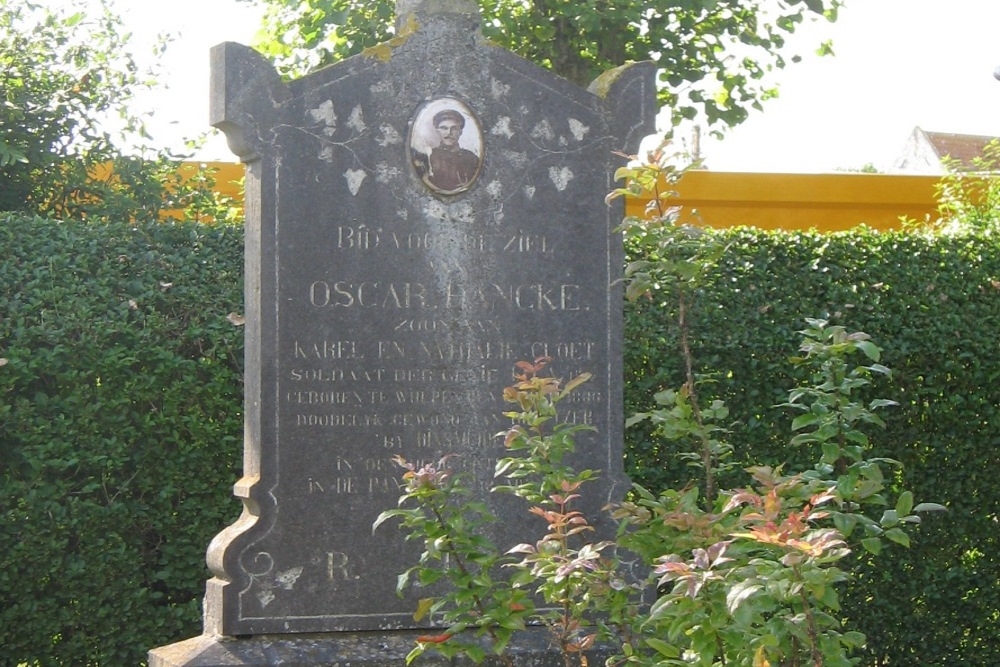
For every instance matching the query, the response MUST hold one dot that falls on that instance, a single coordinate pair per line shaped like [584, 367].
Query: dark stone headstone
[419, 218]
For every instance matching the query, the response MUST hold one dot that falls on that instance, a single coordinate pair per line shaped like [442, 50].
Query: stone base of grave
[531, 648]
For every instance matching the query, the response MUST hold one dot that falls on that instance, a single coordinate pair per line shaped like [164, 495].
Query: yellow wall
[827, 202]
[228, 181]
[228, 176]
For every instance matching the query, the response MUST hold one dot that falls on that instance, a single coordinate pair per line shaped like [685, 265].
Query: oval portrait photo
[446, 145]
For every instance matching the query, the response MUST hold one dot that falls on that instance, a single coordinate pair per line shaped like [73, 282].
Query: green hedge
[120, 433]
[933, 304]
[120, 422]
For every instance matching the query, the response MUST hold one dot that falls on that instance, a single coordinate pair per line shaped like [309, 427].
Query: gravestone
[418, 219]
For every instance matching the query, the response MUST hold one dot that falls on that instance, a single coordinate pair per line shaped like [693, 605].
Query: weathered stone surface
[419, 218]
[529, 649]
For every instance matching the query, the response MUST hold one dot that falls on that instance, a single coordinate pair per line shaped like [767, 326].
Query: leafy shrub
[120, 432]
[747, 577]
[933, 303]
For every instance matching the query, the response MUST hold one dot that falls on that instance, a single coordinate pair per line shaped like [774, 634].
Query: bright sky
[898, 64]
[179, 110]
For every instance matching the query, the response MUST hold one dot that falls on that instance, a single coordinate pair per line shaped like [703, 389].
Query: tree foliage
[715, 56]
[67, 78]
[61, 71]
[969, 197]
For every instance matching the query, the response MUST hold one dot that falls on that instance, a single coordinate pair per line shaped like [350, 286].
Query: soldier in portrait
[449, 168]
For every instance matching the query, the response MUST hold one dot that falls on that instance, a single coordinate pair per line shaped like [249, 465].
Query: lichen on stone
[384, 50]
[601, 86]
